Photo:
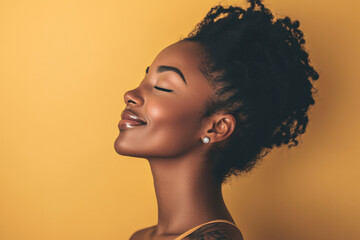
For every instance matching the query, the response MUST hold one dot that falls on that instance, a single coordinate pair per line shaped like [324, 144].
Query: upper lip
[131, 115]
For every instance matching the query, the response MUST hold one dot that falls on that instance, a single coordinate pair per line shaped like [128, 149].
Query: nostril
[133, 97]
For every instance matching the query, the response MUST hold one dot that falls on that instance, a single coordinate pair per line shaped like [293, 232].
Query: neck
[187, 195]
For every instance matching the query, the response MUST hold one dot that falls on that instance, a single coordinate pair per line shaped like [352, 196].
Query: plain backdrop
[64, 68]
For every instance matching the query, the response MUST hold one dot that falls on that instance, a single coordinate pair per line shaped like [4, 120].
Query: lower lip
[126, 124]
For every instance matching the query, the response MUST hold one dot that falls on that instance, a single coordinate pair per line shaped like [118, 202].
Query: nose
[133, 97]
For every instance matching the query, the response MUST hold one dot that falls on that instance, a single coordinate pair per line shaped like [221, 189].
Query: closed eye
[163, 89]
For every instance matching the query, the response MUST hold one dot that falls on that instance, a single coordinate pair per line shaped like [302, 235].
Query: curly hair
[262, 75]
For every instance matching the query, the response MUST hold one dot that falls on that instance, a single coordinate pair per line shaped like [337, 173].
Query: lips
[130, 119]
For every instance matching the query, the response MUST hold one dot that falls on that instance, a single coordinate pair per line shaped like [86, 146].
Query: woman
[209, 107]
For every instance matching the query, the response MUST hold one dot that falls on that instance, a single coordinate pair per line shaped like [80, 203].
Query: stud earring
[206, 139]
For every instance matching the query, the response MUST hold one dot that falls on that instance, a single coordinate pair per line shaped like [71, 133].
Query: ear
[219, 127]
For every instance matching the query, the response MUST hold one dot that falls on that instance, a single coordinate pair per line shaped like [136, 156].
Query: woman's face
[173, 118]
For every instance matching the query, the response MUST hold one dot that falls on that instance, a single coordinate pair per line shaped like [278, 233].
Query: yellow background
[64, 67]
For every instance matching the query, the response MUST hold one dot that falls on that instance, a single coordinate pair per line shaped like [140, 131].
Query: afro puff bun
[262, 76]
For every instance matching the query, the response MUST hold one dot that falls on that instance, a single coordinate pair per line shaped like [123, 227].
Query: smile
[127, 123]
[129, 119]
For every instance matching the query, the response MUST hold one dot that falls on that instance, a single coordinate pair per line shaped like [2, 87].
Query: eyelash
[163, 89]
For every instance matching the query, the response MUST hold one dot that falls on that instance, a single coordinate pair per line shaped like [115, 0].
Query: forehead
[182, 52]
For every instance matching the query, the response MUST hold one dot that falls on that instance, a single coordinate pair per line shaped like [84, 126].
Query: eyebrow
[164, 68]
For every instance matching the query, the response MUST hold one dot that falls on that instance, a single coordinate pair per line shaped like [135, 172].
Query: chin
[119, 148]
[124, 150]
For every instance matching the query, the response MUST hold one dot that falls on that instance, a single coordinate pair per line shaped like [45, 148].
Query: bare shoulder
[142, 234]
[215, 231]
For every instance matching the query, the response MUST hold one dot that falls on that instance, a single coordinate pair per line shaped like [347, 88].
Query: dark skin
[186, 191]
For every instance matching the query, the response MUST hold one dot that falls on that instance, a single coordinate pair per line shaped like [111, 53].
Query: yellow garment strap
[199, 226]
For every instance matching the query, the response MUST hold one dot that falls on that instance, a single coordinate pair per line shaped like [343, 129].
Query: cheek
[176, 115]
[173, 125]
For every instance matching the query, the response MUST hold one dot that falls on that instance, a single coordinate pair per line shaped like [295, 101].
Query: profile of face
[172, 100]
